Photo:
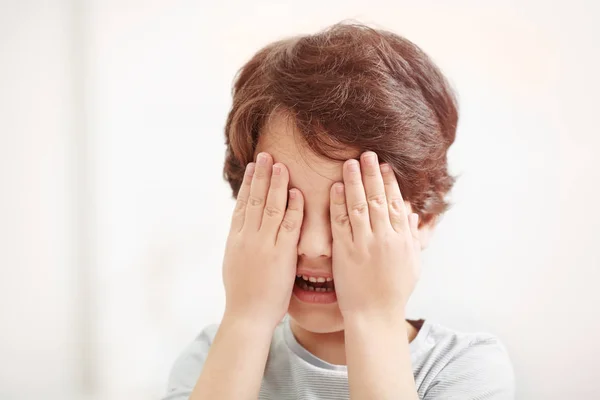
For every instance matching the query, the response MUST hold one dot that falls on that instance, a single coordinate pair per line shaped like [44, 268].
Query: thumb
[413, 221]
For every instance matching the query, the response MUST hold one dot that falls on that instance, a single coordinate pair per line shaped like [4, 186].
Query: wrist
[375, 321]
[256, 327]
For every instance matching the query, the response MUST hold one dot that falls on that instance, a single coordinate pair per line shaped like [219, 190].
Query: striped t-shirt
[446, 365]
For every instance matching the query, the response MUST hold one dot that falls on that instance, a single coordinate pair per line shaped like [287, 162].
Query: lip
[315, 273]
[309, 297]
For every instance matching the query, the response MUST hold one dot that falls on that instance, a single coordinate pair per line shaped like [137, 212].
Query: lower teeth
[313, 289]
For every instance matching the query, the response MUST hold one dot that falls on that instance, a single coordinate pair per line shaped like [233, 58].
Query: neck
[330, 347]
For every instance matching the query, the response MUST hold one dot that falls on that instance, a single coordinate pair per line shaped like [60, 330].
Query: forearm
[378, 358]
[236, 361]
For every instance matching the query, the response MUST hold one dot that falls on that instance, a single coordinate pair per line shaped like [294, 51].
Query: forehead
[309, 172]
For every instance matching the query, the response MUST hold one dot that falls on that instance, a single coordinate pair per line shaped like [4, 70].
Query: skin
[346, 219]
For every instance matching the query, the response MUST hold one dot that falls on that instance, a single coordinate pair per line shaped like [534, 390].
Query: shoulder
[189, 363]
[464, 365]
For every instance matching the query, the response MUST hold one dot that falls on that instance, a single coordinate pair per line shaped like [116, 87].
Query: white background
[113, 211]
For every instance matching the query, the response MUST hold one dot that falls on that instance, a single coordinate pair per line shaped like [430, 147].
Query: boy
[336, 153]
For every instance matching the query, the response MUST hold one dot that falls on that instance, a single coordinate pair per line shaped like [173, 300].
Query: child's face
[314, 176]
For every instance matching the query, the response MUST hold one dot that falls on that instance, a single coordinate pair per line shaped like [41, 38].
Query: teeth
[314, 279]
[316, 289]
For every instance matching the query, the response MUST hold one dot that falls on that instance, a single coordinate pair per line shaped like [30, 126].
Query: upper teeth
[319, 279]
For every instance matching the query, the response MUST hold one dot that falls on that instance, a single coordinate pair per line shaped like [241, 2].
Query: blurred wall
[38, 309]
[111, 144]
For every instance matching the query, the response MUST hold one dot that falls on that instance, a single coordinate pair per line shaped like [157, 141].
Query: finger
[340, 222]
[396, 208]
[375, 192]
[356, 201]
[414, 225]
[239, 212]
[258, 191]
[289, 230]
[276, 199]
[414, 230]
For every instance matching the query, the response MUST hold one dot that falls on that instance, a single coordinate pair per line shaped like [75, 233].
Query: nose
[315, 236]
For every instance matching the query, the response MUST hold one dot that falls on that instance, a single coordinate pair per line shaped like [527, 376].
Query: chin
[316, 318]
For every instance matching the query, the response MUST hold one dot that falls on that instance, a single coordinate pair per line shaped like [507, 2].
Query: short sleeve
[188, 366]
[482, 371]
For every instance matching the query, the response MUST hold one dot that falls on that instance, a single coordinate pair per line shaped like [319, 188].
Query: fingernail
[353, 166]
[292, 194]
[276, 170]
[262, 159]
[385, 168]
[369, 159]
[250, 169]
[339, 188]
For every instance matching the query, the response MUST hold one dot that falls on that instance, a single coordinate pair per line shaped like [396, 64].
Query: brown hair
[351, 86]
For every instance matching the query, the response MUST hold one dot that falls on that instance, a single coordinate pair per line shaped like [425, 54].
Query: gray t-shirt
[446, 365]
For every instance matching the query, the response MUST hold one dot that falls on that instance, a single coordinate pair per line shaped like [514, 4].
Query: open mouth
[315, 284]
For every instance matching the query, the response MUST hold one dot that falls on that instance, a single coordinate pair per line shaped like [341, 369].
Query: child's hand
[259, 267]
[375, 245]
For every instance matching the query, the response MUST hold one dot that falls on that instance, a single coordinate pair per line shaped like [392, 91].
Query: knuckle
[395, 219]
[342, 219]
[394, 214]
[260, 173]
[271, 211]
[294, 207]
[396, 204]
[372, 171]
[240, 205]
[377, 200]
[288, 225]
[359, 208]
[255, 201]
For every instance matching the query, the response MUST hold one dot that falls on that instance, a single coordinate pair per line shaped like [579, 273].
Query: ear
[425, 230]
